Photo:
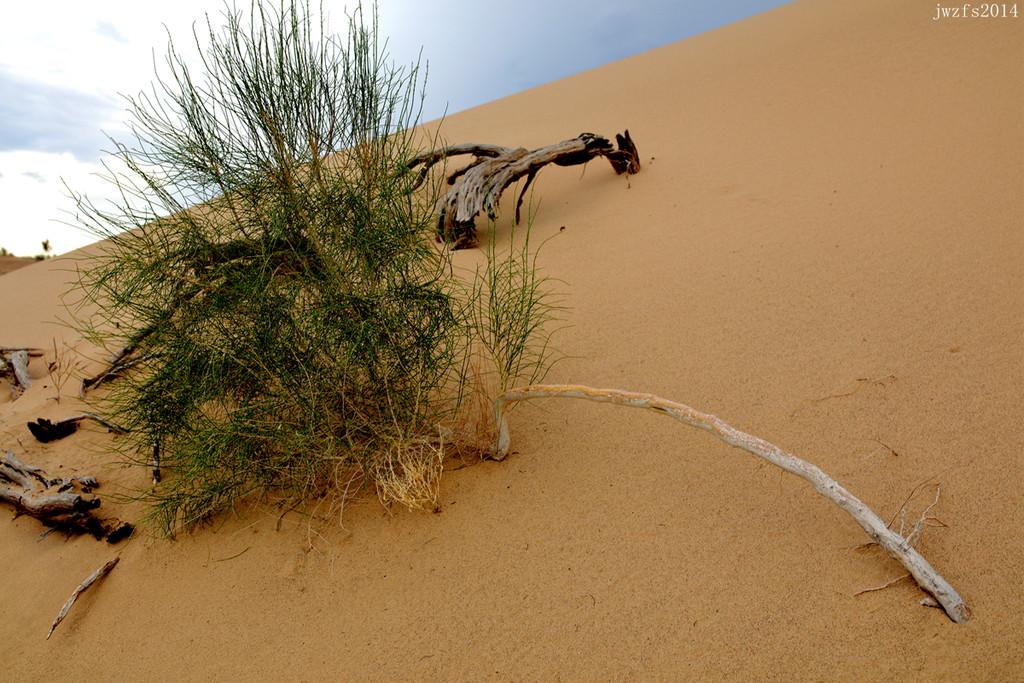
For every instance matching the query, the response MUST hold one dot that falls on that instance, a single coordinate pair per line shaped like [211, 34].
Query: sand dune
[12, 263]
[824, 248]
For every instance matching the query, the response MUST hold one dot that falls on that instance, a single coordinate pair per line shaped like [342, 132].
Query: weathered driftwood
[900, 548]
[46, 431]
[15, 363]
[90, 580]
[478, 186]
[57, 503]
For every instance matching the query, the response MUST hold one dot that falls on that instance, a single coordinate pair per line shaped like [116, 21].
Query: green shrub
[297, 330]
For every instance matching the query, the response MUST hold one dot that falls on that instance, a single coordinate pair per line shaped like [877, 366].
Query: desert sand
[824, 248]
[12, 263]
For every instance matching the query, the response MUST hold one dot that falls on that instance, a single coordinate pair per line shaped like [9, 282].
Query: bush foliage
[292, 325]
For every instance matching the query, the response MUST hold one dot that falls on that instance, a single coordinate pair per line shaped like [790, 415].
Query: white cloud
[34, 201]
[62, 67]
[68, 44]
[37, 193]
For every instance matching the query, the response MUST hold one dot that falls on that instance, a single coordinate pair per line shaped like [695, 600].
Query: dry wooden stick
[90, 580]
[898, 547]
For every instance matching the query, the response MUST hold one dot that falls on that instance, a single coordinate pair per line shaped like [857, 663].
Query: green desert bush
[285, 320]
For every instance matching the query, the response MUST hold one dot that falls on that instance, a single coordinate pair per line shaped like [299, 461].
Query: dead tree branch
[478, 186]
[90, 580]
[119, 363]
[897, 546]
[57, 503]
[15, 362]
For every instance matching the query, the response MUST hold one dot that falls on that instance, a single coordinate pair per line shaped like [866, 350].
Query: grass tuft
[294, 326]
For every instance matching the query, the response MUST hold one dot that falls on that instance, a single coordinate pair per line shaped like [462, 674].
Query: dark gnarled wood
[58, 503]
[478, 186]
[46, 431]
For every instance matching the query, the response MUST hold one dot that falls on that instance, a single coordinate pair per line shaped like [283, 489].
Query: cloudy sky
[63, 64]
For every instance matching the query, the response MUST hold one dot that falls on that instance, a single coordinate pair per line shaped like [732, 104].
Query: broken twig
[120, 362]
[885, 585]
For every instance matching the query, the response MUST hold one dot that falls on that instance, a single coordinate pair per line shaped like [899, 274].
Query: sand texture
[11, 263]
[825, 248]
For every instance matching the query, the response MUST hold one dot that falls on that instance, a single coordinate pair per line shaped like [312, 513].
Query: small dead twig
[60, 369]
[231, 557]
[884, 585]
[901, 516]
[910, 497]
[82, 587]
[861, 383]
[892, 451]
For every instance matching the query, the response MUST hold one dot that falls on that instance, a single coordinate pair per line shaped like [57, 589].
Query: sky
[65, 64]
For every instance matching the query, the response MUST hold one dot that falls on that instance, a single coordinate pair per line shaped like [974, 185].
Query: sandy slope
[824, 248]
[11, 263]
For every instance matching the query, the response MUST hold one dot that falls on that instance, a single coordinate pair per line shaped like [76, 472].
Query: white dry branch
[90, 580]
[17, 361]
[897, 546]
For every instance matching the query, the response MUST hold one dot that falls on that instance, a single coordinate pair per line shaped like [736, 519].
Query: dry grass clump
[409, 473]
[298, 330]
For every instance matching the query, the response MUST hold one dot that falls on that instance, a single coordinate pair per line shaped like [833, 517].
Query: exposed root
[119, 363]
[898, 547]
[915, 533]
[478, 187]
